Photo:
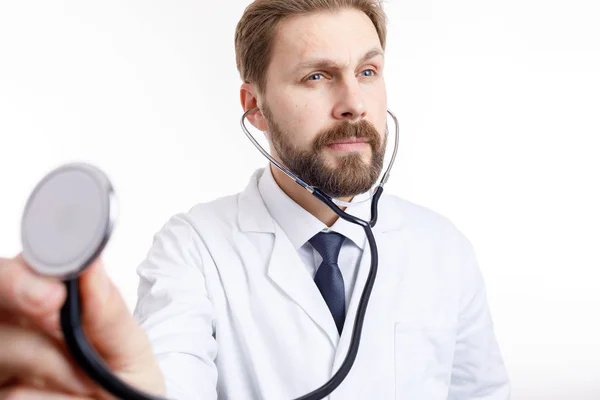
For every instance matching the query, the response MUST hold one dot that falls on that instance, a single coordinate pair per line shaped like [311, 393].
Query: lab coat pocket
[423, 361]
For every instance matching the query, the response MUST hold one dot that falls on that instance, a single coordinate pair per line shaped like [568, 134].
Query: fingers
[28, 299]
[26, 293]
[107, 322]
[29, 393]
[108, 325]
[49, 324]
[27, 354]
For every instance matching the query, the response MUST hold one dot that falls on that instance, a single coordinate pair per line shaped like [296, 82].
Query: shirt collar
[299, 225]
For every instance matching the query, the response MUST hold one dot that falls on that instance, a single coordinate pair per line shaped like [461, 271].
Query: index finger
[24, 292]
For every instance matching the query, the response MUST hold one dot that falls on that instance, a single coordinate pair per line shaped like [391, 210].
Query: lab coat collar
[253, 215]
[298, 224]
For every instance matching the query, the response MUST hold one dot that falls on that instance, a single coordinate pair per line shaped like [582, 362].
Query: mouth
[352, 144]
[349, 140]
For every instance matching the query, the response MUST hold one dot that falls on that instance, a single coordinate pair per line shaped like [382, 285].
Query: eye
[310, 78]
[372, 72]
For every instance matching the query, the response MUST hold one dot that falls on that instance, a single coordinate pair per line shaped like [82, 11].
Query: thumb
[108, 325]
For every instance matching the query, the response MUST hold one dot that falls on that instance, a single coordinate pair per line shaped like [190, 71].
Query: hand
[34, 360]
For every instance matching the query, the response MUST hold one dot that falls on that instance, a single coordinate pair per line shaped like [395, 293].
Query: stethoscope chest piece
[67, 220]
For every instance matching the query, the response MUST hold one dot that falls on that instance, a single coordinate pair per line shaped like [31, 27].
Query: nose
[350, 105]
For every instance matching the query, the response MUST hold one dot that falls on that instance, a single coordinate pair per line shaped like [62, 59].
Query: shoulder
[413, 214]
[219, 213]
[421, 221]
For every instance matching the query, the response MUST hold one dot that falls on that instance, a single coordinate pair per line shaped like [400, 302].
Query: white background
[498, 104]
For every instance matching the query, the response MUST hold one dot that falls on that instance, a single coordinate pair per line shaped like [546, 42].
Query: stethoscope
[68, 220]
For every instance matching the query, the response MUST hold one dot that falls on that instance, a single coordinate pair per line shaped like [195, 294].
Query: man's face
[325, 102]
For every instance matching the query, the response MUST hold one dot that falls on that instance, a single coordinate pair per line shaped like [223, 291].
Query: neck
[304, 198]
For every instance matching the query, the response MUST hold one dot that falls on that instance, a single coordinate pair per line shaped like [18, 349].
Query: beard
[350, 176]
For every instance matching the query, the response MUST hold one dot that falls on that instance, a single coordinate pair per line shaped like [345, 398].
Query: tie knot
[328, 245]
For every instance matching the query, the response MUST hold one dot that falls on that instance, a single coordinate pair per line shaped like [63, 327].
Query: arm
[174, 309]
[478, 372]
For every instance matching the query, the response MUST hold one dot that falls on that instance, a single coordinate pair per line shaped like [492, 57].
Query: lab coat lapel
[287, 271]
[285, 267]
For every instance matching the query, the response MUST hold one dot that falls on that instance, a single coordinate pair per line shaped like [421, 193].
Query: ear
[249, 100]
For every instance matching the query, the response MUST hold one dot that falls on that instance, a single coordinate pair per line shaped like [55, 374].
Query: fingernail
[35, 290]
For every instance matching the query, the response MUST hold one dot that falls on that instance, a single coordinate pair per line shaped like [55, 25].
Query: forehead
[343, 36]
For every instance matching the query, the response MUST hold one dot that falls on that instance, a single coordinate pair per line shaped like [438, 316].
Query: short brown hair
[256, 29]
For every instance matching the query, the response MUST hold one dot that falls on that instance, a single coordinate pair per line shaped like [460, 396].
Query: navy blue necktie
[329, 278]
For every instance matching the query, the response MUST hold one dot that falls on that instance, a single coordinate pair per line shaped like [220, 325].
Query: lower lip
[356, 146]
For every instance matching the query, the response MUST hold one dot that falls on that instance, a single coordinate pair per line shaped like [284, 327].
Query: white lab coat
[232, 313]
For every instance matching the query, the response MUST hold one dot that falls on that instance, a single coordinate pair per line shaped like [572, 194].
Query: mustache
[363, 130]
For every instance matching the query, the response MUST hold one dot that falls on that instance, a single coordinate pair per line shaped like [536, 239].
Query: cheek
[378, 119]
[381, 116]
[302, 124]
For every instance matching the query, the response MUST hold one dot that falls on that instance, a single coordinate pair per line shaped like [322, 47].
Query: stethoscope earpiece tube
[84, 354]
[311, 189]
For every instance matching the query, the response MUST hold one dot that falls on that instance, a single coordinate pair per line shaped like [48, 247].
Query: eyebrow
[326, 63]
